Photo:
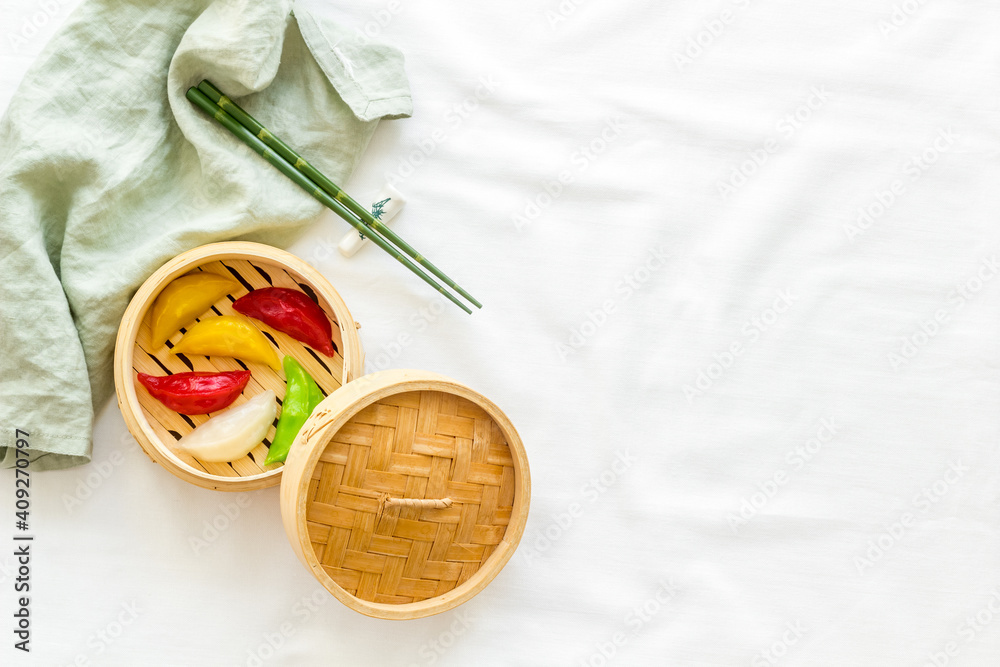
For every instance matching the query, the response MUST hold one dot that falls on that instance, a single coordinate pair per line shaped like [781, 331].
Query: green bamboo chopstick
[281, 148]
[200, 100]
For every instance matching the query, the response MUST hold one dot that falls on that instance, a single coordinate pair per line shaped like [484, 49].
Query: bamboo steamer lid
[405, 493]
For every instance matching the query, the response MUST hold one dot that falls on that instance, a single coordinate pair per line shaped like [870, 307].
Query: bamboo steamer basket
[405, 492]
[254, 266]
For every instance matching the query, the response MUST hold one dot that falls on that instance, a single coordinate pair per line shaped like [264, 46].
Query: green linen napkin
[107, 171]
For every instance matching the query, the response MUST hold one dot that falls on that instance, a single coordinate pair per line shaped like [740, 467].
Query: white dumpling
[229, 435]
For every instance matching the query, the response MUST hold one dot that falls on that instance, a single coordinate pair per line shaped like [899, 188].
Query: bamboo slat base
[158, 428]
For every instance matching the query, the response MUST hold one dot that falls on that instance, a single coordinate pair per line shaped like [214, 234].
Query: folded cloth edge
[335, 63]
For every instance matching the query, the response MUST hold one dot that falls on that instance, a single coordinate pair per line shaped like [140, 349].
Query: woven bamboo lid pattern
[406, 493]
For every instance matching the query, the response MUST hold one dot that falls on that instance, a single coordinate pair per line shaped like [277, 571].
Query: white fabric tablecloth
[739, 262]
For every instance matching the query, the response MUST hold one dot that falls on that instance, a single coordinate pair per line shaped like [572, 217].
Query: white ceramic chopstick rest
[387, 204]
[231, 434]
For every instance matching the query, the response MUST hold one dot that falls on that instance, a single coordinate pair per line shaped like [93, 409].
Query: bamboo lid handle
[385, 502]
[420, 503]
